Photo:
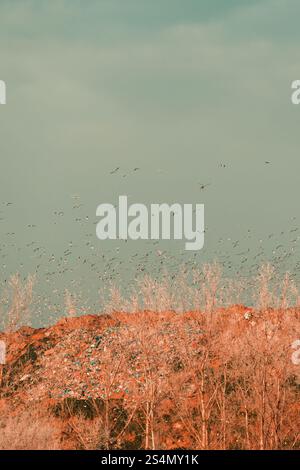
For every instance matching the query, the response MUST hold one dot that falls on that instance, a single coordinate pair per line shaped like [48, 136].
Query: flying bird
[203, 186]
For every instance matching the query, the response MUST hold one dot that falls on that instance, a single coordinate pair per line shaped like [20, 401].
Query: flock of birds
[84, 264]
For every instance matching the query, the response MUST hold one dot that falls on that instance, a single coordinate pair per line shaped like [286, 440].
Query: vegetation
[152, 376]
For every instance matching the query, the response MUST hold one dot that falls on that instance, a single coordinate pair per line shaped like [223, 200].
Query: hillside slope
[220, 380]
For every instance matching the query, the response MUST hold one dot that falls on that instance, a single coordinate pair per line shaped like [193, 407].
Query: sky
[178, 89]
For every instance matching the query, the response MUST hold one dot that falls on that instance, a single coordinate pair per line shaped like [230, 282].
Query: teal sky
[174, 88]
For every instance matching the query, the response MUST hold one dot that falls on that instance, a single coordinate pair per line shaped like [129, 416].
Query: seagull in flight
[203, 186]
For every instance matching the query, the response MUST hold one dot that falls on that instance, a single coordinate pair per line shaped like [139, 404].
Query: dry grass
[29, 430]
[16, 302]
[185, 369]
[203, 289]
